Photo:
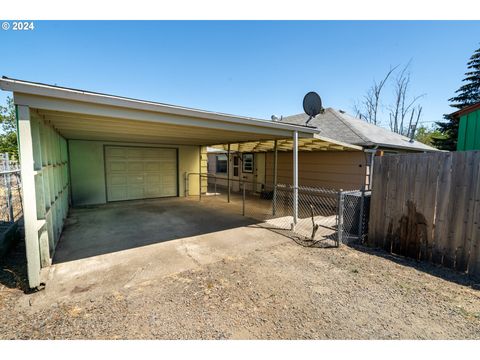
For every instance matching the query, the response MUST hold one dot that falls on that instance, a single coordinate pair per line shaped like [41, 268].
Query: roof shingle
[340, 126]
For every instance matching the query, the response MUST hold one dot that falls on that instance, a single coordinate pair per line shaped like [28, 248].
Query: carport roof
[80, 114]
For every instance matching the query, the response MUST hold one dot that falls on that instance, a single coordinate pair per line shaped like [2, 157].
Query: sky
[245, 68]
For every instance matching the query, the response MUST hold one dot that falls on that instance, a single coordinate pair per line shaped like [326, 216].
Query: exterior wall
[469, 131]
[87, 169]
[345, 170]
[44, 169]
[254, 180]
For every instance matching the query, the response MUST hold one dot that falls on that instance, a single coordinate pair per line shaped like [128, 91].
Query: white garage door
[140, 172]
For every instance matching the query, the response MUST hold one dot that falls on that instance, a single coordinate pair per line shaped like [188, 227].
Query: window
[221, 164]
[247, 163]
[235, 165]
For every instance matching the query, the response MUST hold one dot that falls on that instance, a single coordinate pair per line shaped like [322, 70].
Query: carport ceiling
[80, 114]
[317, 143]
[87, 127]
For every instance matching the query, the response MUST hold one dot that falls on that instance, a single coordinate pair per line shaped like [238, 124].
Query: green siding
[87, 169]
[469, 131]
[87, 172]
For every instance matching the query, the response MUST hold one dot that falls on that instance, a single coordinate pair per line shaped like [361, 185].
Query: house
[83, 148]
[344, 164]
[468, 127]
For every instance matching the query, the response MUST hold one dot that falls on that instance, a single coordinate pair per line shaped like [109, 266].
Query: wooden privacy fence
[427, 206]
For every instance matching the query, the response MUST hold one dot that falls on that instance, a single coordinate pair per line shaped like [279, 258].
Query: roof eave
[45, 90]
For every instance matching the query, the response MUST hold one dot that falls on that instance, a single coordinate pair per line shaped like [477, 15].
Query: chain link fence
[10, 190]
[326, 217]
[11, 209]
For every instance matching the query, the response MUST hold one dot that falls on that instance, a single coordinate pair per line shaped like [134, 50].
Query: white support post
[275, 178]
[295, 178]
[228, 173]
[28, 195]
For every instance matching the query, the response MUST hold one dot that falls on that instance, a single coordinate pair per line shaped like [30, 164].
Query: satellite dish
[312, 105]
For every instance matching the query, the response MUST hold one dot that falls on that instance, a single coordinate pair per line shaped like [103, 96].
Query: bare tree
[369, 106]
[403, 106]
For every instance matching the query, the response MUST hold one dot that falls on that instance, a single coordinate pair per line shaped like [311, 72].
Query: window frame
[217, 162]
[244, 162]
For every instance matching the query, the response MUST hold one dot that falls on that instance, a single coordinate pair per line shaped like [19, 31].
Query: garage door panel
[135, 153]
[117, 193]
[116, 152]
[134, 179]
[153, 166]
[169, 180]
[152, 179]
[136, 173]
[136, 191]
[153, 191]
[119, 166]
[118, 179]
[135, 166]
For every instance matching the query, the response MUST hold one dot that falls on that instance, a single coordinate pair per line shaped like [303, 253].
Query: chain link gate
[326, 217]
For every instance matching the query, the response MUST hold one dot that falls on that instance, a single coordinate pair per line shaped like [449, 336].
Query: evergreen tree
[8, 129]
[467, 94]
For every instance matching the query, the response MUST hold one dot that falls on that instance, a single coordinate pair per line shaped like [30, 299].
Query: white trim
[26, 87]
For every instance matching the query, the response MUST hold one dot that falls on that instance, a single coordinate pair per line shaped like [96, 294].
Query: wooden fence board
[455, 210]
[430, 199]
[441, 214]
[473, 256]
[427, 206]
[390, 218]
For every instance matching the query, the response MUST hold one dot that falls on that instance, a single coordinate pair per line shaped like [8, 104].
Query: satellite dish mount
[312, 105]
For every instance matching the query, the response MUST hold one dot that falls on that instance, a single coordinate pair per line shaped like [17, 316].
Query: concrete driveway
[119, 245]
[218, 276]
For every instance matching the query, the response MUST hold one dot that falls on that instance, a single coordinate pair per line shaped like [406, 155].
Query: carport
[81, 148]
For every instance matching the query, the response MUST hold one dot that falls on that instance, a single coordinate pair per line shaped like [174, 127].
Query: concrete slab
[124, 225]
[121, 245]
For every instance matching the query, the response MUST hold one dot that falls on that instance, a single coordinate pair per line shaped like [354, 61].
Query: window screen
[247, 163]
[221, 164]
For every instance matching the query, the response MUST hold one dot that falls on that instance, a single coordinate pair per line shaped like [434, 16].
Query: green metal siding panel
[476, 145]
[469, 131]
[461, 133]
[470, 134]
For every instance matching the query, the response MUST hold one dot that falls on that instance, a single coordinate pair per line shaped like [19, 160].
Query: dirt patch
[281, 292]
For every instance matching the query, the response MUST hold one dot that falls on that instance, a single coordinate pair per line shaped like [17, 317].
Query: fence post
[340, 217]
[360, 220]
[243, 199]
[9, 187]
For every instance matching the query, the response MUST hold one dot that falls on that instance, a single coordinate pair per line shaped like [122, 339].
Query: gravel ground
[283, 292]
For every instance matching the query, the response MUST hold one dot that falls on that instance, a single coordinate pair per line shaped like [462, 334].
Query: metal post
[200, 186]
[340, 217]
[295, 178]
[360, 220]
[275, 162]
[243, 198]
[228, 173]
[215, 184]
[9, 188]
[186, 185]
